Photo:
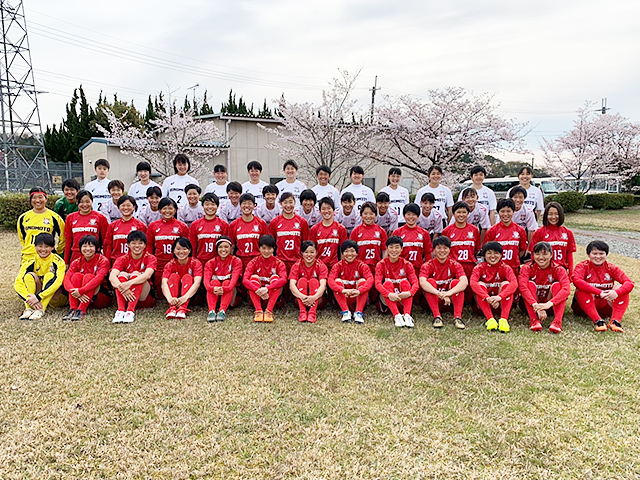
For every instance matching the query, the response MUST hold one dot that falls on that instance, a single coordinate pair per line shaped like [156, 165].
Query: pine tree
[206, 108]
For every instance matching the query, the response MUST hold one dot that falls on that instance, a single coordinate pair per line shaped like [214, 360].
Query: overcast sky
[540, 59]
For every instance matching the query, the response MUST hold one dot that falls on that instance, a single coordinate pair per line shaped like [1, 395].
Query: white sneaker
[399, 319]
[346, 316]
[358, 318]
[26, 315]
[118, 317]
[181, 314]
[37, 315]
[129, 317]
[408, 320]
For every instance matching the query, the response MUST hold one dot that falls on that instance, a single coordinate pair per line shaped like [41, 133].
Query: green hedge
[13, 205]
[570, 201]
[636, 199]
[609, 201]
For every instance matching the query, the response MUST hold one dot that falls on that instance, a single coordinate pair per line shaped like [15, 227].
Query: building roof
[240, 117]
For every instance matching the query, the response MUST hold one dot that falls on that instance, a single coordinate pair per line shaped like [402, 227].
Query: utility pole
[604, 106]
[373, 91]
[193, 88]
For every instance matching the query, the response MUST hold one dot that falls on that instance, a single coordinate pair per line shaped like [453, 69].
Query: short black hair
[101, 162]
[211, 197]
[285, 196]
[492, 247]
[411, 208]
[290, 162]
[441, 240]
[89, 239]
[323, 168]
[516, 190]
[115, 184]
[478, 169]
[394, 240]
[271, 188]
[267, 241]
[84, 193]
[356, 169]
[143, 167]
[428, 197]
[308, 194]
[37, 190]
[459, 205]
[234, 187]
[137, 235]
[151, 191]
[370, 205]
[437, 168]
[46, 239]
[326, 201]
[254, 164]
[166, 202]
[347, 197]
[527, 169]
[306, 244]
[128, 198]
[542, 247]
[71, 183]
[598, 245]
[247, 197]
[383, 197]
[181, 158]
[545, 215]
[506, 202]
[192, 186]
[183, 242]
[348, 244]
[219, 168]
[394, 171]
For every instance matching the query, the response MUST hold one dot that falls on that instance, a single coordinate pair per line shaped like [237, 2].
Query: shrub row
[609, 201]
[12, 205]
[570, 201]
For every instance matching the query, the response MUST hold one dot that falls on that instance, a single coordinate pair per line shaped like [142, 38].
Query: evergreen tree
[206, 108]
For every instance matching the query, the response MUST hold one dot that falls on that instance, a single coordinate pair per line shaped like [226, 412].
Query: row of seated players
[543, 284]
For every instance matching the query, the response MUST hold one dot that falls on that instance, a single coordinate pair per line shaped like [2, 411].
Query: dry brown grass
[160, 399]
[627, 219]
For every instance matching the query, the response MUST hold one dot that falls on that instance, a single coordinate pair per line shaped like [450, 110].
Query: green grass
[171, 399]
[627, 219]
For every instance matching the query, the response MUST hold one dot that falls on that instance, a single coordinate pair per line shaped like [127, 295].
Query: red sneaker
[171, 312]
[536, 326]
[303, 316]
[555, 327]
[311, 318]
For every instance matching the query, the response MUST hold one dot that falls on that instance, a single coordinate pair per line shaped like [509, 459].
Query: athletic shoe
[503, 325]
[118, 317]
[346, 316]
[459, 324]
[358, 318]
[26, 315]
[212, 316]
[303, 316]
[129, 317]
[181, 314]
[536, 326]
[399, 320]
[258, 316]
[614, 325]
[268, 316]
[408, 320]
[312, 316]
[37, 315]
[555, 328]
[437, 322]
[491, 324]
[222, 316]
[77, 316]
[68, 315]
[601, 326]
[171, 312]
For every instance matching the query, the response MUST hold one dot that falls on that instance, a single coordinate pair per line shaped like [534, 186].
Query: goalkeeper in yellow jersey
[39, 220]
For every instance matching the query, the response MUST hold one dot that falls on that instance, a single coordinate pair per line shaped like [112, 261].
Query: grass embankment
[621, 220]
[171, 399]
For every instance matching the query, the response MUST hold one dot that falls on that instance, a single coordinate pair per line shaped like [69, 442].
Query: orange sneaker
[258, 316]
[600, 326]
[616, 326]
[268, 317]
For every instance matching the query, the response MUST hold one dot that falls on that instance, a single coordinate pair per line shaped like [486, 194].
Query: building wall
[123, 167]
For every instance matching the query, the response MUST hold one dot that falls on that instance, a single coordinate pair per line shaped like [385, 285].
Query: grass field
[627, 219]
[187, 399]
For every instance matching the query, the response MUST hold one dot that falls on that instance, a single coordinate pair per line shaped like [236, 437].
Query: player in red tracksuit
[115, 242]
[205, 232]
[328, 234]
[444, 281]
[245, 232]
[83, 279]
[371, 238]
[289, 230]
[510, 235]
[595, 295]
[162, 234]
[494, 285]
[465, 241]
[264, 278]
[557, 235]
[397, 283]
[221, 276]
[85, 221]
[130, 277]
[308, 282]
[181, 278]
[416, 241]
[545, 287]
[350, 280]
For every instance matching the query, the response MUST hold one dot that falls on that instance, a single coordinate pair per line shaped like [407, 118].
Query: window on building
[274, 180]
[370, 182]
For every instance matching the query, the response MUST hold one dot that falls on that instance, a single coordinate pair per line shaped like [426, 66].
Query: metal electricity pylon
[23, 156]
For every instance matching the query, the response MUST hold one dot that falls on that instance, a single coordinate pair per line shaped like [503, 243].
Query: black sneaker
[601, 326]
[77, 315]
[68, 316]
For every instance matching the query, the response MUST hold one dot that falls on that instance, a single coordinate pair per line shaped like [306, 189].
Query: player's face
[70, 194]
[266, 251]
[383, 207]
[441, 252]
[542, 258]
[506, 214]
[525, 178]
[181, 253]
[356, 178]
[326, 211]
[308, 205]
[154, 200]
[288, 204]
[435, 177]
[126, 208]
[553, 217]
[102, 172]
[597, 257]
[270, 199]
[368, 217]
[290, 172]
[309, 255]
[182, 168]
[116, 193]
[224, 250]
[143, 175]
[323, 178]
[221, 177]
[247, 207]
[234, 197]
[394, 179]
[43, 250]
[38, 201]
[168, 212]
[347, 206]
[461, 215]
[193, 197]
[254, 174]
[394, 251]
[85, 205]
[350, 255]
[411, 218]
[210, 208]
[518, 199]
[477, 177]
[471, 200]
[137, 247]
[88, 250]
[426, 208]
[492, 257]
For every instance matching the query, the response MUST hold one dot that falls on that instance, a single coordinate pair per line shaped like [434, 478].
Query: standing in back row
[442, 194]
[173, 186]
[361, 192]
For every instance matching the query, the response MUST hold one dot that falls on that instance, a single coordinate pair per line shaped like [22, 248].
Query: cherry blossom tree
[596, 145]
[327, 134]
[173, 131]
[451, 128]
